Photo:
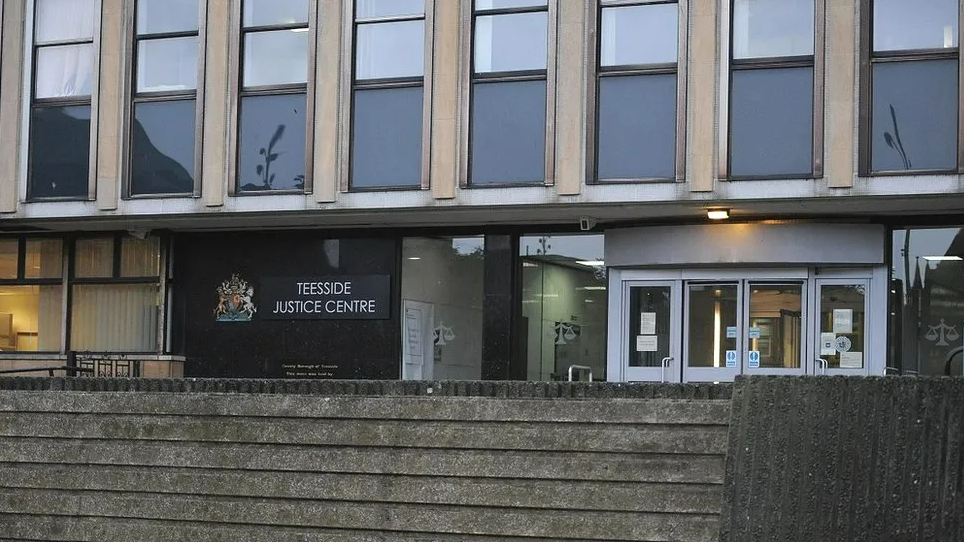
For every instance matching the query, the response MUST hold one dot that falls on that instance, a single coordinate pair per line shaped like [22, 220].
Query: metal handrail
[581, 368]
[823, 365]
[49, 370]
[950, 358]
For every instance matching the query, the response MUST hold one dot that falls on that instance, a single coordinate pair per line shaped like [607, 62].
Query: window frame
[161, 280]
[31, 102]
[469, 78]
[865, 90]
[133, 40]
[239, 92]
[728, 65]
[594, 17]
[351, 83]
[23, 280]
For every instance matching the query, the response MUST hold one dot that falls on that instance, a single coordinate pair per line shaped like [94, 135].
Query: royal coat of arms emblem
[235, 302]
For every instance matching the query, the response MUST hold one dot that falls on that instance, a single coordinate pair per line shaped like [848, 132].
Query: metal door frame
[620, 283]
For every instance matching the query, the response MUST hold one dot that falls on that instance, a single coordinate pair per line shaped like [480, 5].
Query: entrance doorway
[712, 325]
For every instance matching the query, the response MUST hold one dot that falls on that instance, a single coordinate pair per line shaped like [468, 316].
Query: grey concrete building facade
[482, 189]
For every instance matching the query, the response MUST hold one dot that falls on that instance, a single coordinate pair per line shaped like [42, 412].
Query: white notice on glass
[843, 320]
[826, 344]
[646, 343]
[851, 360]
[647, 323]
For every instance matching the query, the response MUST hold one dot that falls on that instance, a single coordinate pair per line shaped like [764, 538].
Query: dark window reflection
[915, 115]
[272, 153]
[59, 159]
[771, 122]
[162, 156]
[637, 127]
[387, 157]
[508, 132]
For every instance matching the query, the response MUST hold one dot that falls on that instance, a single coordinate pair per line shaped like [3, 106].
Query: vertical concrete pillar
[12, 14]
[328, 76]
[841, 47]
[703, 85]
[219, 100]
[445, 102]
[111, 102]
[571, 98]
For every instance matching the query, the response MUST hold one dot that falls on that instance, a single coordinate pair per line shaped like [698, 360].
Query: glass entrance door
[712, 325]
[651, 335]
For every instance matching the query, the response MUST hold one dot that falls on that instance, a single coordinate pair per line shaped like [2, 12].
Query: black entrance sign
[356, 297]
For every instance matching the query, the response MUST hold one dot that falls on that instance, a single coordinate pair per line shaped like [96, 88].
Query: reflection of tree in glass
[894, 142]
[269, 154]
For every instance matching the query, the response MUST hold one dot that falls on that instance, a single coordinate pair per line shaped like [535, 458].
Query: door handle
[663, 365]
[823, 365]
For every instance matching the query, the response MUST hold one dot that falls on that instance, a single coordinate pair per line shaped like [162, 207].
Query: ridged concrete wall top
[462, 388]
[849, 459]
[359, 464]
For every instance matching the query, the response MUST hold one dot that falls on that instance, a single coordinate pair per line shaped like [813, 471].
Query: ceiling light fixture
[943, 258]
[717, 214]
[591, 263]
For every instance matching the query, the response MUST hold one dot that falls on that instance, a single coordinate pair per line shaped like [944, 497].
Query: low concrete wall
[850, 459]
[359, 461]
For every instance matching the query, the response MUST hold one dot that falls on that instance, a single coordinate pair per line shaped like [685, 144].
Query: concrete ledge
[503, 389]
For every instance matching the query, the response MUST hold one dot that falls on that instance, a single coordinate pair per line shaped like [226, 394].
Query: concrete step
[364, 516]
[556, 465]
[466, 491]
[651, 438]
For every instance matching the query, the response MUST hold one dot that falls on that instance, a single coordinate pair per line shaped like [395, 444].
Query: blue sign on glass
[753, 359]
[731, 358]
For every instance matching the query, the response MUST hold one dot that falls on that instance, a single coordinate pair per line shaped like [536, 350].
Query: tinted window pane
[388, 8]
[44, 259]
[94, 258]
[387, 157]
[9, 258]
[64, 71]
[33, 314]
[167, 64]
[162, 150]
[912, 24]
[114, 317]
[61, 20]
[59, 152]
[639, 35]
[268, 12]
[272, 153]
[914, 115]
[508, 132]
[510, 42]
[764, 28]
[771, 122]
[499, 4]
[155, 16]
[275, 58]
[637, 127]
[140, 257]
[390, 50]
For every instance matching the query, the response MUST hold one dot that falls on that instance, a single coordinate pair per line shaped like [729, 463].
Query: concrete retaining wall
[378, 462]
[849, 459]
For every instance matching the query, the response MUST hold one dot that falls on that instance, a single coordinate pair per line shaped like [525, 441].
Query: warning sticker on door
[753, 359]
[731, 359]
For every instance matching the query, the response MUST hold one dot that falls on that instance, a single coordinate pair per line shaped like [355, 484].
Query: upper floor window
[771, 108]
[64, 57]
[914, 86]
[388, 92]
[274, 76]
[164, 114]
[637, 110]
[508, 89]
